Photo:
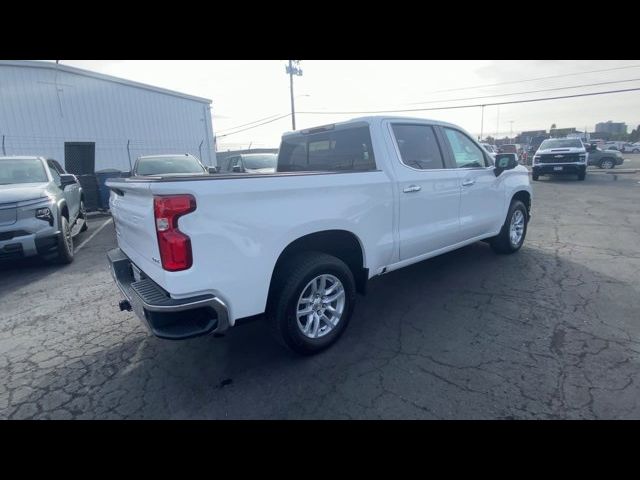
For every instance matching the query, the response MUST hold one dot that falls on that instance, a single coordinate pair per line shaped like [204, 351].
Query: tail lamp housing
[174, 245]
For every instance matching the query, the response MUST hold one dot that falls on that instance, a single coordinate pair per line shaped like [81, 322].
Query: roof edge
[100, 76]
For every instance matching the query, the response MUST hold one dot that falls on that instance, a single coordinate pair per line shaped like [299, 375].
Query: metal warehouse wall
[42, 108]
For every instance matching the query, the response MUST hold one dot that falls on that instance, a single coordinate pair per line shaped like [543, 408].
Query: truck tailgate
[131, 206]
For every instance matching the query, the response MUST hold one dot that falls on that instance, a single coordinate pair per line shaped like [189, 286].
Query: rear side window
[418, 146]
[345, 150]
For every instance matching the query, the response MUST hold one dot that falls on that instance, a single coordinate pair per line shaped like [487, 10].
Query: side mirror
[237, 169]
[67, 179]
[212, 169]
[505, 161]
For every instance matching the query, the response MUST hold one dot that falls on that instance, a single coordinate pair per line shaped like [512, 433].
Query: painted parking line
[93, 235]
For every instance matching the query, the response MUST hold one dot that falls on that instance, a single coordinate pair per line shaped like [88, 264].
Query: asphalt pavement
[550, 332]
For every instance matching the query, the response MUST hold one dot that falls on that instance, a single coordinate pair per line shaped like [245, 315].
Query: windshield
[22, 171]
[255, 162]
[168, 165]
[561, 143]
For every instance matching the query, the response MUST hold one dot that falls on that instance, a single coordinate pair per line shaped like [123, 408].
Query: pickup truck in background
[348, 202]
[560, 156]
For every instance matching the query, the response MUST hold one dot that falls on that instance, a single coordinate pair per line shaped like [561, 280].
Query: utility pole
[498, 122]
[482, 123]
[511, 134]
[293, 70]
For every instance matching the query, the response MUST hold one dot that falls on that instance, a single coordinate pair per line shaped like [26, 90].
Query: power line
[534, 79]
[474, 105]
[530, 91]
[250, 123]
[255, 126]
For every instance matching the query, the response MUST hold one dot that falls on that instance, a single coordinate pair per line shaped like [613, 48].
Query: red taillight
[175, 246]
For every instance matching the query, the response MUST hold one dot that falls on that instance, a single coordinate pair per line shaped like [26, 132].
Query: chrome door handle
[412, 188]
[468, 182]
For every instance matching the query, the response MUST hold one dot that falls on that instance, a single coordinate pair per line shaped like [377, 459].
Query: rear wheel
[607, 163]
[535, 177]
[65, 242]
[514, 230]
[311, 302]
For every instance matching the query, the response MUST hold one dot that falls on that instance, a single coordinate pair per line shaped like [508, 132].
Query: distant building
[611, 127]
[527, 137]
[561, 132]
[91, 122]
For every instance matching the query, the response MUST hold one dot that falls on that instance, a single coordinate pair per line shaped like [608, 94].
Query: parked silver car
[41, 209]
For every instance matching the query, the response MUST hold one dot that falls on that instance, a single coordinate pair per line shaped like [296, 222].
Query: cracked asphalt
[550, 332]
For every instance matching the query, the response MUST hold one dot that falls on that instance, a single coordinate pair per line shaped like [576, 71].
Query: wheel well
[525, 198]
[339, 243]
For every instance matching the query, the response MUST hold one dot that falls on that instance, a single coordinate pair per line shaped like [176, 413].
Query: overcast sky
[245, 91]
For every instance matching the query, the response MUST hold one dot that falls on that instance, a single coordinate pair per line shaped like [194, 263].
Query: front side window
[342, 150]
[54, 172]
[466, 153]
[418, 146]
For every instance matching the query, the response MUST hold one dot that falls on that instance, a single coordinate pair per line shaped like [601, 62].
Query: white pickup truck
[347, 202]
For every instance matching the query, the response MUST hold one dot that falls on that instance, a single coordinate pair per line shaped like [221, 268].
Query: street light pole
[511, 134]
[482, 123]
[293, 70]
[293, 108]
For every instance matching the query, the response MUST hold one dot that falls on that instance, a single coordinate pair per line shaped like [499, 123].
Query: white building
[91, 122]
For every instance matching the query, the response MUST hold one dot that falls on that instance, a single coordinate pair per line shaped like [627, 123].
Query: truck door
[482, 194]
[429, 191]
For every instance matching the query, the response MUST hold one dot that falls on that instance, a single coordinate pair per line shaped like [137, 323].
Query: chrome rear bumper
[166, 317]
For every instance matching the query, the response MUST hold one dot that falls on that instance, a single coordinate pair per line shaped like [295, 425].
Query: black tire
[582, 176]
[290, 283]
[65, 243]
[535, 177]
[83, 216]
[605, 161]
[501, 243]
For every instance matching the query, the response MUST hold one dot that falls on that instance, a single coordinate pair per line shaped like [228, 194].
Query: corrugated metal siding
[41, 108]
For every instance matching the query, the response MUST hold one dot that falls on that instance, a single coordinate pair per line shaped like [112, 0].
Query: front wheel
[581, 176]
[65, 242]
[312, 302]
[535, 177]
[514, 230]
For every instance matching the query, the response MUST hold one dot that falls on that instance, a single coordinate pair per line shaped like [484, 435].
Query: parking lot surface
[550, 332]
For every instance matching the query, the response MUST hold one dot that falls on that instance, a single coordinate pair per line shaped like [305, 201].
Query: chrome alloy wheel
[516, 229]
[320, 306]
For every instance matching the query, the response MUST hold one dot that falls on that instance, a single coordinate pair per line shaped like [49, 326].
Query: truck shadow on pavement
[469, 334]
[17, 274]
